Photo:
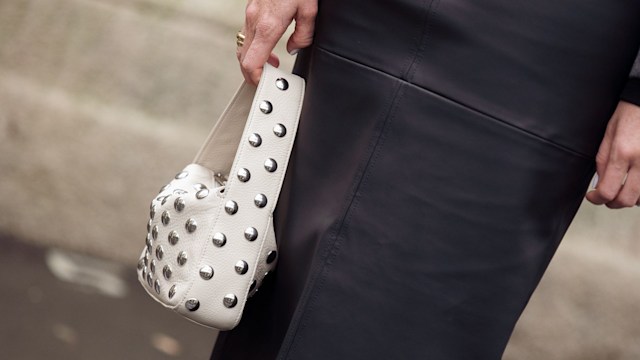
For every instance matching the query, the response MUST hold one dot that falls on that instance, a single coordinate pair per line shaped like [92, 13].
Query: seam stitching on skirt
[463, 105]
[424, 39]
[334, 248]
[330, 250]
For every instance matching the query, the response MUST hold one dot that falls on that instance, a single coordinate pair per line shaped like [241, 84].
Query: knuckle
[252, 11]
[308, 13]
[626, 152]
[246, 66]
[607, 195]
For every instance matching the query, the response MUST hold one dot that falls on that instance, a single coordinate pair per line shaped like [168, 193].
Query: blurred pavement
[99, 312]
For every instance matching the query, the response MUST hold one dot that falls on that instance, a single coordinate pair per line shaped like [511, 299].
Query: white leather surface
[221, 154]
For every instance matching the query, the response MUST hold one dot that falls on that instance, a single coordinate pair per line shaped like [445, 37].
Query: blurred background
[101, 102]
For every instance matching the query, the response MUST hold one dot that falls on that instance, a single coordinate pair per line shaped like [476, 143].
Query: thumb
[303, 34]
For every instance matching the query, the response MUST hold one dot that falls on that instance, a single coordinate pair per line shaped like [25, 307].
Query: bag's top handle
[224, 141]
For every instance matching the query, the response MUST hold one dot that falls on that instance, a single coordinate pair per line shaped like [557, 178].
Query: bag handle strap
[229, 136]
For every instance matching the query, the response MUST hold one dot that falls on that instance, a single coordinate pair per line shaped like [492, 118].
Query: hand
[265, 23]
[618, 160]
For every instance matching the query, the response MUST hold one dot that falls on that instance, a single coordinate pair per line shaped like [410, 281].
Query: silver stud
[172, 291]
[202, 194]
[270, 165]
[199, 186]
[152, 212]
[156, 286]
[231, 207]
[244, 175]
[279, 130]
[173, 237]
[153, 266]
[282, 84]
[154, 232]
[182, 175]
[260, 200]
[165, 218]
[251, 233]
[159, 252]
[164, 199]
[146, 260]
[149, 225]
[255, 140]
[179, 204]
[242, 267]
[265, 107]
[146, 256]
[219, 239]
[191, 225]
[163, 189]
[144, 273]
[230, 300]
[182, 258]
[166, 272]
[140, 263]
[149, 279]
[148, 241]
[271, 256]
[192, 304]
[206, 272]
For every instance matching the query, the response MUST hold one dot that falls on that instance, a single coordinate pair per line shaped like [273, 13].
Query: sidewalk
[99, 312]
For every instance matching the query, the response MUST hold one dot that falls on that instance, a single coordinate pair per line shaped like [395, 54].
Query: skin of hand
[618, 160]
[265, 23]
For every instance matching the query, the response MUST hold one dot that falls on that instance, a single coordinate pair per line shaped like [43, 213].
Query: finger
[265, 36]
[630, 193]
[252, 14]
[602, 159]
[303, 33]
[274, 60]
[241, 50]
[610, 181]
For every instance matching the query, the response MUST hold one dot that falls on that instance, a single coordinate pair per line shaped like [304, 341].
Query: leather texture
[192, 206]
[444, 148]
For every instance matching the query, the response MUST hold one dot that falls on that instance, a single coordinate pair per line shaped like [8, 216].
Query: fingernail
[594, 182]
[293, 52]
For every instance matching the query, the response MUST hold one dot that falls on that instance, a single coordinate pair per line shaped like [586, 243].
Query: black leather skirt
[444, 148]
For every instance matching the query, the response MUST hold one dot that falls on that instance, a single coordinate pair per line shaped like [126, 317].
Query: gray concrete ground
[58, 305]
[102, 101]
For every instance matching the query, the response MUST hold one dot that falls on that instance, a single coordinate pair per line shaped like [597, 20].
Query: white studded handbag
[210, 240]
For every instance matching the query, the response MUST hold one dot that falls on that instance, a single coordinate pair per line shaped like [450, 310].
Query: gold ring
[239, 39]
